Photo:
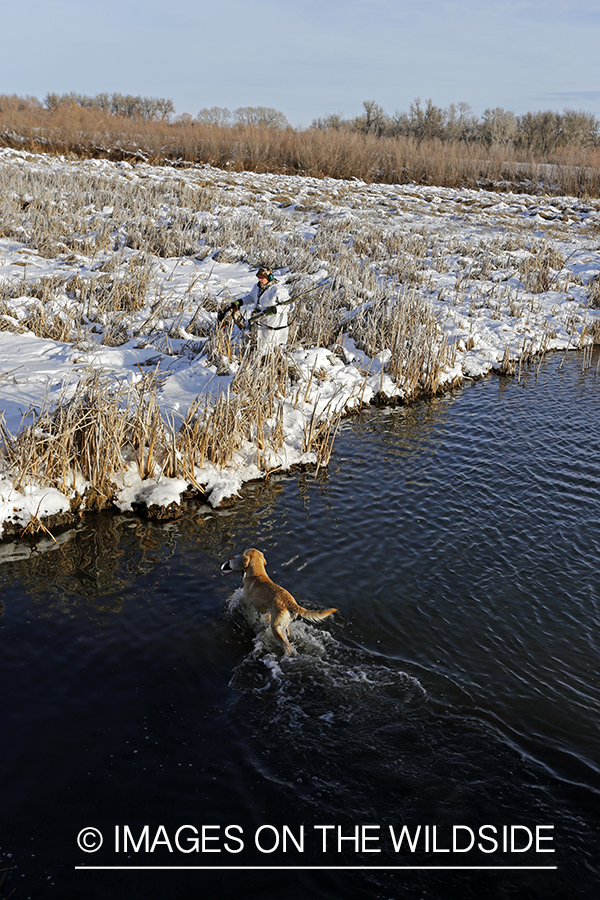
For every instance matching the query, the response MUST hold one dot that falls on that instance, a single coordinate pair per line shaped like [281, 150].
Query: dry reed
[315, 152]
[378, 290]
[93, 433]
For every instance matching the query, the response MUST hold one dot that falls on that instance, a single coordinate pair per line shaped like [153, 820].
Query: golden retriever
[268, 598]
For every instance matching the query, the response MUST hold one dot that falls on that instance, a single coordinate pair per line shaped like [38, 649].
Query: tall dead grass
[94, 433]
[82, 436]
[315, 152]
[407, 328]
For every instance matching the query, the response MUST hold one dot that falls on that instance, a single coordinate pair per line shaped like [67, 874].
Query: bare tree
[461, 124]
[579, 129]
[261, 115]
[330, 120]
[374, 120]
[127, 105]
[14, 102]
[499, 126]
[215, 115]
[426, 123]
[538, 131]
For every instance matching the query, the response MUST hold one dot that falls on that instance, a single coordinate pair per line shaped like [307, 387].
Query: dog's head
[249, 559]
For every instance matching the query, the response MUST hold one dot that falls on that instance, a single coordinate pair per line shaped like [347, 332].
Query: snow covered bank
[112, 276]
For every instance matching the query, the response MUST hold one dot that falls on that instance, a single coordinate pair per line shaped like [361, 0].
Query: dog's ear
[258, 555]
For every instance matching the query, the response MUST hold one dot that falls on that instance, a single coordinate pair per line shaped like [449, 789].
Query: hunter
[271, 305]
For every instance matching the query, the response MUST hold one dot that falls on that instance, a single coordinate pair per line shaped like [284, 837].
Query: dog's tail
[313, 615]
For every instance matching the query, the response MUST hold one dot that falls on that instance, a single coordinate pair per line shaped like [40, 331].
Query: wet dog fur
[268, 598]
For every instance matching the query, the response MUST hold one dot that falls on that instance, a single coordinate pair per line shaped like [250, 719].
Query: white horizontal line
[313, 868]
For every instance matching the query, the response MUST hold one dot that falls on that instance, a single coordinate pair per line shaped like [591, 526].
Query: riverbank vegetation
[116, 381]
[549, 152]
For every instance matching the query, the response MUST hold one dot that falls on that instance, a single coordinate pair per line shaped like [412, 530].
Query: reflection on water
[458, 685]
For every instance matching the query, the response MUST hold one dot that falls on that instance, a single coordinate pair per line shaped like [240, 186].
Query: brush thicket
[96, 430]
[82, 436]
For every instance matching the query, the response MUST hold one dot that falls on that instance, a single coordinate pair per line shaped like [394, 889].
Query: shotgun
[268, 311]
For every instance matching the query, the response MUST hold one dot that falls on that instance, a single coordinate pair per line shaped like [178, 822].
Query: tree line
[540, 132]
[131, 107]
[151, 109]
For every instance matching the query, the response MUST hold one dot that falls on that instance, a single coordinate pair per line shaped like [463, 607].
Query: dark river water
[439, 737]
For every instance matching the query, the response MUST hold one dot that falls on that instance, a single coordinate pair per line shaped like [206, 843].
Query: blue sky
[309, 57]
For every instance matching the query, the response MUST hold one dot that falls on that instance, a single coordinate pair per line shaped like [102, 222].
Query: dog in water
[268, 598]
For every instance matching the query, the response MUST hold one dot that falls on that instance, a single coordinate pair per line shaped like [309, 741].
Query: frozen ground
[120, 270]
